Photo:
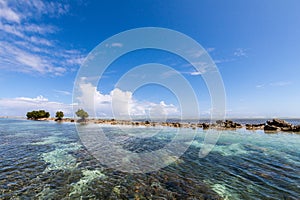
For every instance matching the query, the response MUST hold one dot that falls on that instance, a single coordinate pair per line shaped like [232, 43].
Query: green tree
[59, 115]
[29, 115]
[82, 114]
[37, 114]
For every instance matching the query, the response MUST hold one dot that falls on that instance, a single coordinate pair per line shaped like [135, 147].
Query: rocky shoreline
[271, 126]
[281, 125]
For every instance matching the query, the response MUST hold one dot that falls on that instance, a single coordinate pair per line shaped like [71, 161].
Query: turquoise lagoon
[46, 160]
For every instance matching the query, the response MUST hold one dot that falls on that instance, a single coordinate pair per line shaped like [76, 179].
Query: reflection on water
[45, 160]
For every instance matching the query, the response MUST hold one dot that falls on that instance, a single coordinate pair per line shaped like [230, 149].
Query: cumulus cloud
[120, 104]
[21, 105]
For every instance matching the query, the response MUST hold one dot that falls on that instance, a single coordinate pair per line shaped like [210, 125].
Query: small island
[270, 126]
[38, 115]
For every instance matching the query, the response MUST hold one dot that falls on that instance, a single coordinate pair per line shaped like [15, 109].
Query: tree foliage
[59, 115]
[37, 114]
[82, 114]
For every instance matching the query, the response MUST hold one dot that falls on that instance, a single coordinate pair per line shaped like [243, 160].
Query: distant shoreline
[270, 126]
[175, 119]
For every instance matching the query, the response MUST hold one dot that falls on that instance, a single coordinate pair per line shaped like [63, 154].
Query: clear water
[45, 160]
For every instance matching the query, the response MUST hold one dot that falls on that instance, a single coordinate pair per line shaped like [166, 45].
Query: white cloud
[63, 92]
[11, 29]
[7, 13]
[41, 41]
[120, 104]
[25, 45]
[196, 73]
[196, 53]
[240, 52]
[41, 28]
[202, 68]
[32, 61]
[115, 44]
[260, 86]
[37, 8]
[162, 109]
[197, 68]
[21, 105]
[16, 12]
[14, 58]
[166, 74]
[219, 61]
[35, 100]
[75, 60]
[275, 84]
[210, 49]
[281, 83]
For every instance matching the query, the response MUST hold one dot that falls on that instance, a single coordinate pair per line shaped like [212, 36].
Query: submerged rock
[81, 187]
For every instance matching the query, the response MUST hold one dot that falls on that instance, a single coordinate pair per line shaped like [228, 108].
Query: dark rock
[279, 123]
[219, 122]
[291, 128]
[205, 125]
[258, 125]
[296, 128]
[199, 125]
[255, 126]
[238, 125]
[176, 125]
[228, 124]
[271, 128]
[81, 121]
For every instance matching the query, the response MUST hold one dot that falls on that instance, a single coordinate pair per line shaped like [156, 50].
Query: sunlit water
[46, 160]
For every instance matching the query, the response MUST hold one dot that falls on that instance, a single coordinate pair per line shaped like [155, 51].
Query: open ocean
[46, 160]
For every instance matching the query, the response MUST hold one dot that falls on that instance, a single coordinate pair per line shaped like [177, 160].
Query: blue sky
[255, 45]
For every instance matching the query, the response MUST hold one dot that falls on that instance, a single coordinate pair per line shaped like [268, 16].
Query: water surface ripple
[45, 160]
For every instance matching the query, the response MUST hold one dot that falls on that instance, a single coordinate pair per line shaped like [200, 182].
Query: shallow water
[46, 160]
